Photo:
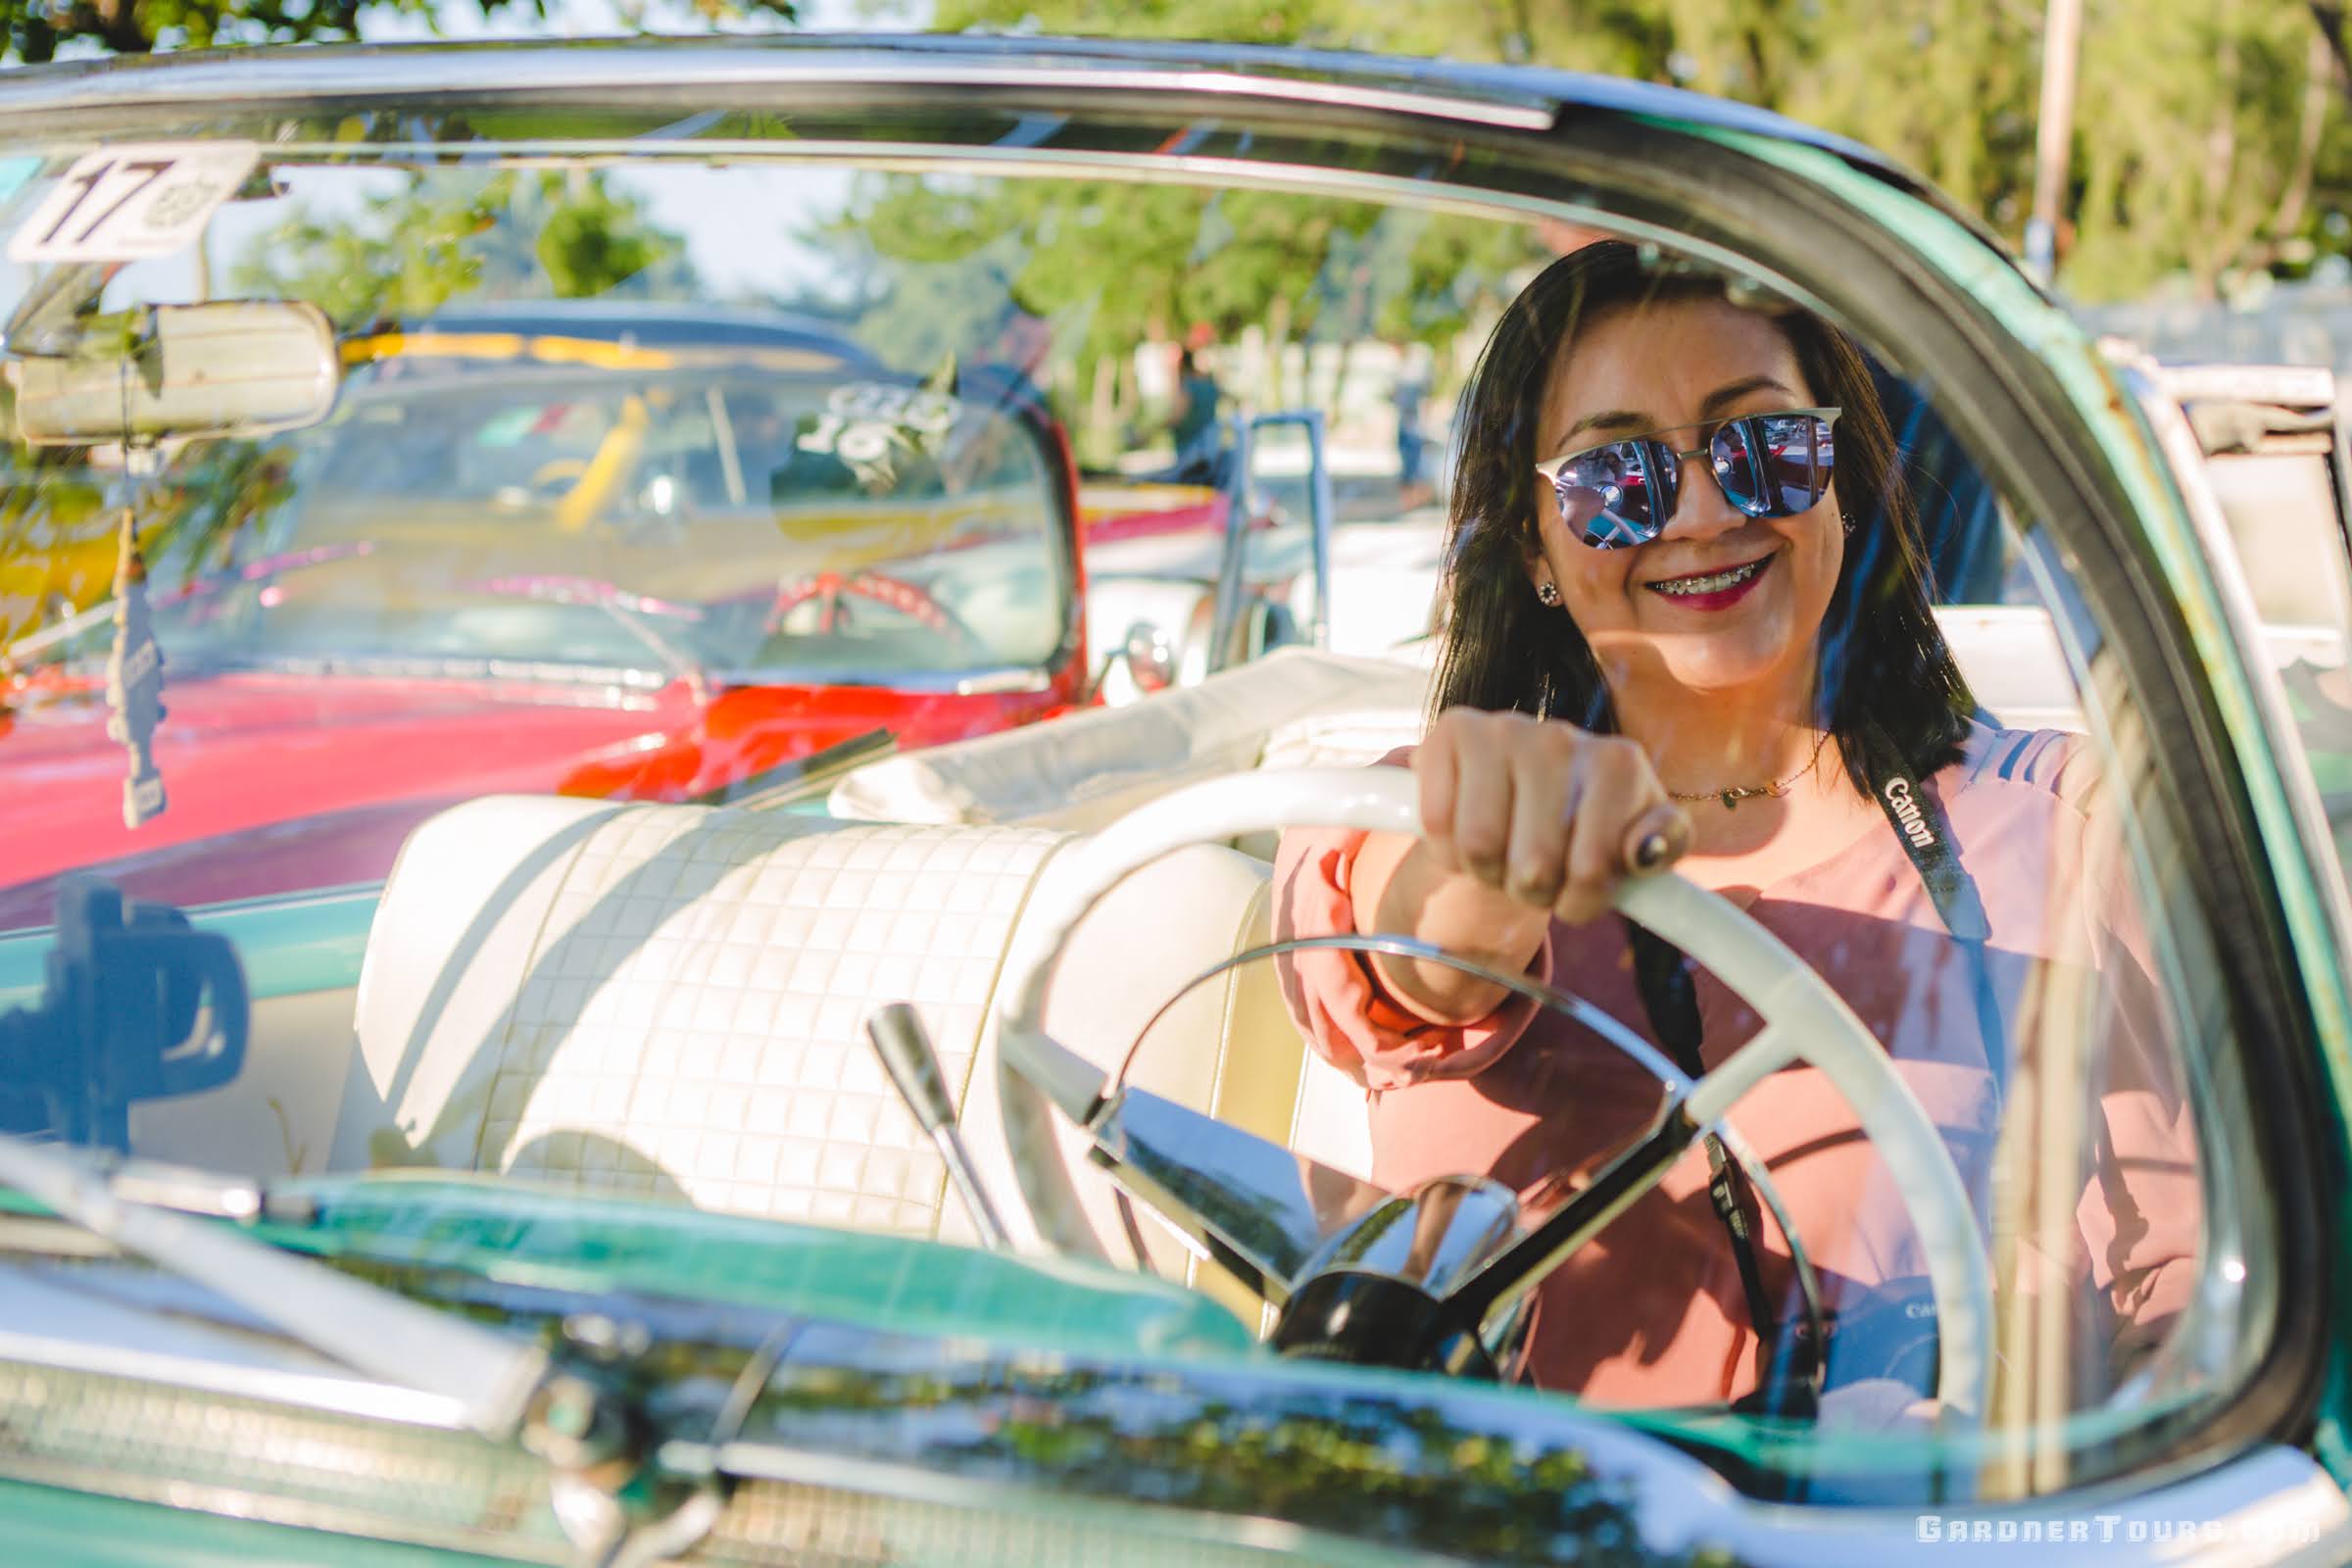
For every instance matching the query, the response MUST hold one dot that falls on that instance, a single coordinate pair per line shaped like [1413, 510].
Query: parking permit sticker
[129, 203]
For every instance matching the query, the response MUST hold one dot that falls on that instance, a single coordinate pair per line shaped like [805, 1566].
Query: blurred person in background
[1411, 395]
[1200, 440]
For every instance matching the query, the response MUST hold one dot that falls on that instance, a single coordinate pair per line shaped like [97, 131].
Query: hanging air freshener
[134, 681]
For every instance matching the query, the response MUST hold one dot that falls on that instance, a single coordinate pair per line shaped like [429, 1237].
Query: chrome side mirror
[1151, 658]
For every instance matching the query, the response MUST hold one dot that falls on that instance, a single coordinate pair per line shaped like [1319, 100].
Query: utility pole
[2061, 45]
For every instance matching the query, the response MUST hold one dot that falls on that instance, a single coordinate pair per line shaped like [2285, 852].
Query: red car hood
[244, 757]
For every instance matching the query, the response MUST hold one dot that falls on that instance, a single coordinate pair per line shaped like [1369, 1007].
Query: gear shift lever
[905, 1047]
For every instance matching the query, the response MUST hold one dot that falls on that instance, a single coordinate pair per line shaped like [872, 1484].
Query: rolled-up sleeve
[1342, 1011]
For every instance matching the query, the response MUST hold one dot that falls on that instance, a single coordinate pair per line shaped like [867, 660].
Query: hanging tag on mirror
[134, 681]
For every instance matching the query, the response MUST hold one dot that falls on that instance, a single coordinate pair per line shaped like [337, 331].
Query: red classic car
[612, 550]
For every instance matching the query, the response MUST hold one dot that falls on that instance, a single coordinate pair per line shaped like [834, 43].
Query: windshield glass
[501, 716]
[645, 522]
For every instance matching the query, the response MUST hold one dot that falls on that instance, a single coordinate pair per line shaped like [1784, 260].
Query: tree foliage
[1114, 264]
[2210, 138]
[511, 235]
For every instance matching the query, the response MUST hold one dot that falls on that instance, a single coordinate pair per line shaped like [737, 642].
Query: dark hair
[1883, 659]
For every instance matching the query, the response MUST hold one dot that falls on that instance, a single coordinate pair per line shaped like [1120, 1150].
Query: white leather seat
[667, 1000]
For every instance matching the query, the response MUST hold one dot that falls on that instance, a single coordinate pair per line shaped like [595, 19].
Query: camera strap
[1914, 812]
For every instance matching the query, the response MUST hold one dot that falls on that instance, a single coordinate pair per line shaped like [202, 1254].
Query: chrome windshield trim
[689, 68]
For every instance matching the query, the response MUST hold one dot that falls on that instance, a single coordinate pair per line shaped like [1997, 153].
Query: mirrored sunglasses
[1623, 492]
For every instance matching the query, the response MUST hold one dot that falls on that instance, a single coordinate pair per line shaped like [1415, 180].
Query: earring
[1548, 592]
[1849, 520]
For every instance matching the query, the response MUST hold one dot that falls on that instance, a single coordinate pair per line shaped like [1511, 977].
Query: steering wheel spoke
[1767, 1051]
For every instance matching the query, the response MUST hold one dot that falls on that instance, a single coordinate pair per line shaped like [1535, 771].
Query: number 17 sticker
[132, 202]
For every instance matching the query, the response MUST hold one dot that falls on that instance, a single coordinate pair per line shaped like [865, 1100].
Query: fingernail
[1651, 851]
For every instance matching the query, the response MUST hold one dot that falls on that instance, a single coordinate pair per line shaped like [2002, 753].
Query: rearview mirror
[233, 368]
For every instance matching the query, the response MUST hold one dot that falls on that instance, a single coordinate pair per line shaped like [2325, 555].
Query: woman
[1688, 624]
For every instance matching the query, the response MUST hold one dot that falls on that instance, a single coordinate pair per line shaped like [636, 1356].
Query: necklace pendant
[1731, 799]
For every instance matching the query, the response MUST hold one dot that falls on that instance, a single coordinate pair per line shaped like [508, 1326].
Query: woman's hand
[1522, 820]
[1549, 815]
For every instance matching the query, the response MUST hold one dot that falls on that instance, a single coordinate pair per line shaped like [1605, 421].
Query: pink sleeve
[1332, 996]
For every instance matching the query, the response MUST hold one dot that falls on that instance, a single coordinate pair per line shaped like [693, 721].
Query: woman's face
[1664, 367]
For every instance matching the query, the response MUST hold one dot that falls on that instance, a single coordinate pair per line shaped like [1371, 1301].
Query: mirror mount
[52, 318]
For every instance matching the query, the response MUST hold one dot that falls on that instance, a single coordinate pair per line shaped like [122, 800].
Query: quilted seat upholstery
[667, 1000]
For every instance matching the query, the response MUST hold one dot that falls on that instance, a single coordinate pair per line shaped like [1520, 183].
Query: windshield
[629, 525]
[523, 718]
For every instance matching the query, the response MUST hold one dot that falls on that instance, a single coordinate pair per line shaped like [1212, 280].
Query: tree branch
[2319, 77]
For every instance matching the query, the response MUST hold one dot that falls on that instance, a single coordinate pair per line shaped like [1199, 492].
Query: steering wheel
[1242, 1197]
[918, 605]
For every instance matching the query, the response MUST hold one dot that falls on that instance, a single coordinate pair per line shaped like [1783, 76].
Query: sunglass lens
[1775, 464]
[1607, 495]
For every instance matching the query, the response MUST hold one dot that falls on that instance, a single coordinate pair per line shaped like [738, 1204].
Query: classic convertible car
[628, 551]
[937, 1168]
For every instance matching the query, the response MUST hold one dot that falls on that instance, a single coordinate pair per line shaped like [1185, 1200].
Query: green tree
[511, 235]
[1114, 264]
[2211, 137]
[2208, 132]
[36, 28]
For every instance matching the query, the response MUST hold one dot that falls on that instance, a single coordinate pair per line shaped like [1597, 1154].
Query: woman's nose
[1702, 511]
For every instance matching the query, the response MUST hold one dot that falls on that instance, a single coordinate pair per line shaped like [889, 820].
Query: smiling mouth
[1709, 582]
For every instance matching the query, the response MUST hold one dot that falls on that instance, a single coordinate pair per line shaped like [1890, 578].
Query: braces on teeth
[1711, 582]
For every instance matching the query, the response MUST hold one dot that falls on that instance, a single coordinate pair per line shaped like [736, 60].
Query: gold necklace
[1737, 793]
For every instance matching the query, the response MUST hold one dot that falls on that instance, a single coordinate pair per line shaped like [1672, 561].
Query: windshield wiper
[138, 1004]
[801, 776]
[634, 613]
